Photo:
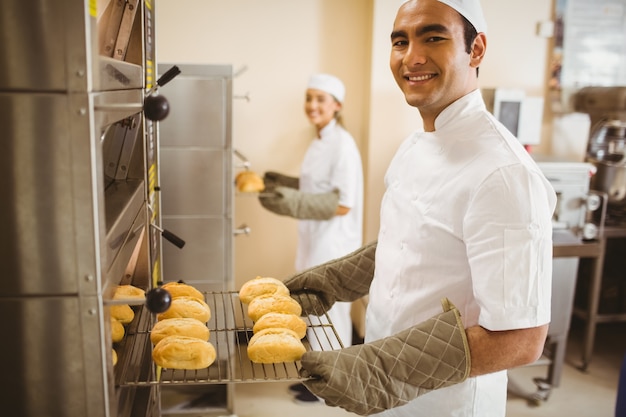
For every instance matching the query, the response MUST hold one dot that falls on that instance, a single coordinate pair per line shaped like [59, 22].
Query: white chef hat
[328, 83]
[471, 10]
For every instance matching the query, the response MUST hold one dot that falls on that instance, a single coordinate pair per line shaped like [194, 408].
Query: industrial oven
[86, 206]
[79, 198]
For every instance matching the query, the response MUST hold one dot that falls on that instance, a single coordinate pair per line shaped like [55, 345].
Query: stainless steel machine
[606, 148]
[601, 290]
[78, 176]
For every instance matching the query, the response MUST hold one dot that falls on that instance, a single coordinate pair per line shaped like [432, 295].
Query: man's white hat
[328, 83]
[471, 10]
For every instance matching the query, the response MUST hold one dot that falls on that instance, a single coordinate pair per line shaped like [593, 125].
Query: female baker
[327, 198]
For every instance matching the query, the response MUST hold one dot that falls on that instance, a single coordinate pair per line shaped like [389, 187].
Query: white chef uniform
[466, 215]
[332, 162]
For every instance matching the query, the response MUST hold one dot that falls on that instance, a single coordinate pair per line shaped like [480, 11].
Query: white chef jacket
[466, 215]
[332, 162]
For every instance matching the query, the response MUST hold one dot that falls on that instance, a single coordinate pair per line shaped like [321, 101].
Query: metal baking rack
[230, 330]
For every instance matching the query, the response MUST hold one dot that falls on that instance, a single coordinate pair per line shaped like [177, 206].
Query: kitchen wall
[277, 44]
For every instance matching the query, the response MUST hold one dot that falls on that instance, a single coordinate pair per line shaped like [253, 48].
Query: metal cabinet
[74, 173]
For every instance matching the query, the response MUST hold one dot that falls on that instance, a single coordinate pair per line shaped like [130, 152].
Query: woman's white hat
[471, 10]
[328, 83]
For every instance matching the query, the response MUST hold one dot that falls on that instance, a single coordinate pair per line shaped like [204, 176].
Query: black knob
[158, 300]
[156, 107]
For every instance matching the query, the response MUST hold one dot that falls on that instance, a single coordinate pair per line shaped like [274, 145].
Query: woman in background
[327, 199]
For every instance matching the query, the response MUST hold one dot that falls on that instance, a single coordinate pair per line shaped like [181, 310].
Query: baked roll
[185, 306]
[122, 313]
[282, 321]
[182, 352]
[261, 286]
[249, 182]
[128, 291]
[117, 330]
[179, 289]
[183, 326]
[275, 346]
[276, 303]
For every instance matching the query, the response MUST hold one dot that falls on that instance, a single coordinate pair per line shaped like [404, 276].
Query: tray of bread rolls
[258, 333]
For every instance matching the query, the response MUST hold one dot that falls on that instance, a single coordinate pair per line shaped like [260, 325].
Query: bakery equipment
[606, 146]
[519, 113]
[601, 289]
[77, 180]
[82, 211]
[579, 210]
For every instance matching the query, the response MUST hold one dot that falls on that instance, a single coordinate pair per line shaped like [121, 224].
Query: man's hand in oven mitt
[373, 377]
[343, 279]
[273, 179]
[304, 206]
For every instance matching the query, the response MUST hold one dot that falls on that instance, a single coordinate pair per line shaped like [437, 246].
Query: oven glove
[343, 279]
[273, 179]
[303, 206]
[373, 377]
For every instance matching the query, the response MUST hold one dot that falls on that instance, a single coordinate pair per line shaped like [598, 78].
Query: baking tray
[230, 330]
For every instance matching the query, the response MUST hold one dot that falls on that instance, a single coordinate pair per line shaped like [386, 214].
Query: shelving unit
[196, 157]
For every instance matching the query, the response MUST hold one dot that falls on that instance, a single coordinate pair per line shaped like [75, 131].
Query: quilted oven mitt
[343, 279]
[373, 377]
[304, 206]
[273, 179]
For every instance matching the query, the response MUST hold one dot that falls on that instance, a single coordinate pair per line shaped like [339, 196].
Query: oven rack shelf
[230, 330]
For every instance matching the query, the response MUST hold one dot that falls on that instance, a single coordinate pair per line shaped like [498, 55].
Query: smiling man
[465, 224]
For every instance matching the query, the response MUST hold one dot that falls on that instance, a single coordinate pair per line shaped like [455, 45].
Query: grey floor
[584, 394]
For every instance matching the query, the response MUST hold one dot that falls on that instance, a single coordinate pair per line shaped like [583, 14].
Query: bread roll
[178, 289]
[185, 306]
[122, 313]
[128, 291]
[272, 303]
[283, 321]
[179, 327]
[117, 330]
[182, 352]
[261, 286]
[249, 182]
[275, 346]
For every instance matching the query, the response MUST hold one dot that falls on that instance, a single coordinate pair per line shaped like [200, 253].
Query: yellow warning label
[93, 8]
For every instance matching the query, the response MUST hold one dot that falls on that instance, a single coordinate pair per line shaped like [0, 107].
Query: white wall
[282, 42]
[515, 58]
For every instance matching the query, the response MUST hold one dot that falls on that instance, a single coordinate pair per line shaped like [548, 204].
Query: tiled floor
[581, 394]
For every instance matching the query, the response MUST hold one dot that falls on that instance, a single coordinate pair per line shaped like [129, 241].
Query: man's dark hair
[469, 33]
